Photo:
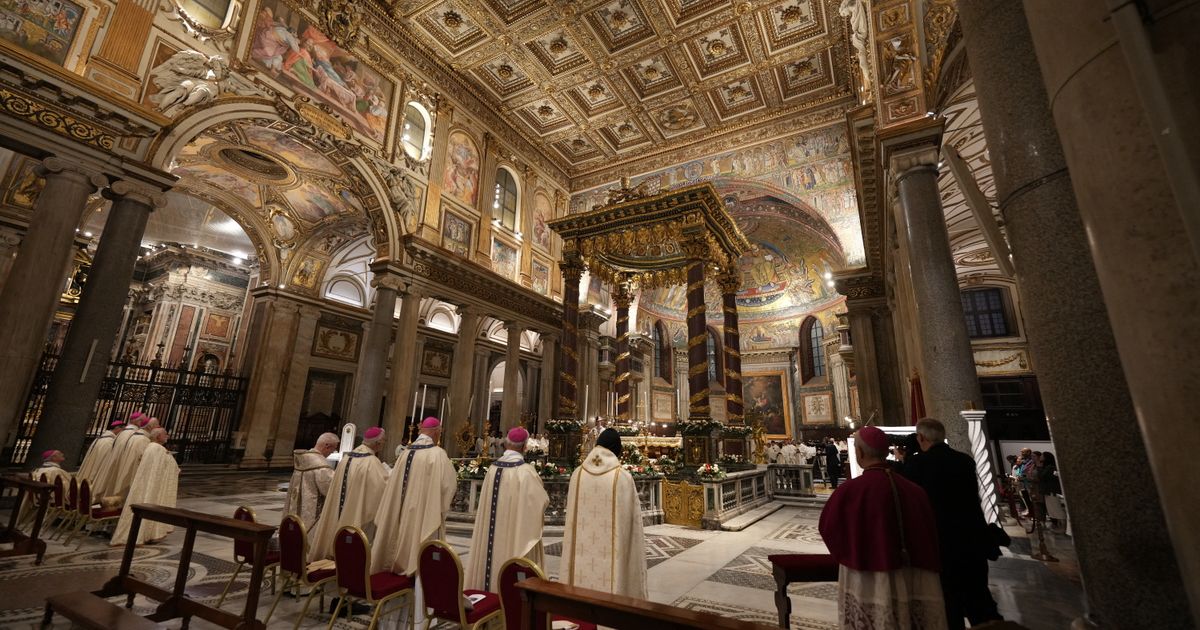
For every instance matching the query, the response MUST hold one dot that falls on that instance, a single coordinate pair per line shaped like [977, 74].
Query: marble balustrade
[465, 504]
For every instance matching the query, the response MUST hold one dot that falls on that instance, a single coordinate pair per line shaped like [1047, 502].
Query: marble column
[405, 360]
[286, 421]
[372, 363]
[1080, 375]
[622, 298]
[510, 406]
[30, 294]
[546, 398]
[734, 405]
[698, 408]
[460, 378]
[71, 397]
[948, 373]
[1117, 144]
[572, 270]
[274, 322]
[481, 390]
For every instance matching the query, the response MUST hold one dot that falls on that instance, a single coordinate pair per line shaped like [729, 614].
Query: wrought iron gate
[200, 410]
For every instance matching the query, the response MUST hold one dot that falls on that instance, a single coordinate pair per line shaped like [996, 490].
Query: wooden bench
[26, 544]
[543, 597]
[88, 611]
[797, 567]
[175, 604]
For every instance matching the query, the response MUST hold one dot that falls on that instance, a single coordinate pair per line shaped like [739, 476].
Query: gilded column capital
[53, 165]
[571, 266]
[623, 294]
[731, 282]
[695, 248]
[139, 193]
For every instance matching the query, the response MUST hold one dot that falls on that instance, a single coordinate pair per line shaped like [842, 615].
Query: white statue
[399, 189]
[859, 17]
[188, 78]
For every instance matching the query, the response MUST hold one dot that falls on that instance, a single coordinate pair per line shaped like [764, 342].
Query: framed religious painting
[766, 394]
[818, 408]
[54, 30]
[217, 325]
[456, 234]
[505, 259]
[539, 277]
[460, 180]
[435, 362]
[335, 343]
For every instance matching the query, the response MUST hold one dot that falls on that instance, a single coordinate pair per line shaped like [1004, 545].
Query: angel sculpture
[188, 78]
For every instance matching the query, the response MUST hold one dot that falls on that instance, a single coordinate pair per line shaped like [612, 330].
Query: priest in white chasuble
[95, 461]
[128, 454]
[155, 481]
[415, 502]
[311, 476]
[103, 477]
[603, 544]
[52, 469]
[354, 493]
[512, 507]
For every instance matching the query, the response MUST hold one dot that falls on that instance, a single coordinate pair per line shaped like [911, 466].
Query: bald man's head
[159, 435]
[327, 444]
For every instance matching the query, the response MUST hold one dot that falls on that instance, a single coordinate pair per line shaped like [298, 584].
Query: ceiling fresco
[598, 82]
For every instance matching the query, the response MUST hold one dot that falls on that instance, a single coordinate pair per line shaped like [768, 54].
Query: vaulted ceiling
[606, 80]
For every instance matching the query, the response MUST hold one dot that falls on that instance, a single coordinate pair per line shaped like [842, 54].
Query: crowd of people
[828, 457]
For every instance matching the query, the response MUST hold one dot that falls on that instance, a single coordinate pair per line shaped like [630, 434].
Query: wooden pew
[26, 544]
[543, 597]
[174, 603]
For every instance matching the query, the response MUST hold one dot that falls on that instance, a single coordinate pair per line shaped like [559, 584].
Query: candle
[442, 409]
[424, 390]
[585, 400]
[414, 408]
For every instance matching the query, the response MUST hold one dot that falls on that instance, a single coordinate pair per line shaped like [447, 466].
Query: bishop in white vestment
[155, 481]
[357, 484]
[97, 455]
[102, 478]
[127, 453]
[311, 476]
[414, 505]
[512, 506]
[52, 469]
[603, 545]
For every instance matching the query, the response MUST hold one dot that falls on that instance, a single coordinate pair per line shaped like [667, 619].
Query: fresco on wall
[542, 212]
[292, 150]
[313, 203]
[456, 234]
[294, 51]
[504, 259]
[46, 28]
[461, 178]
[539, 275]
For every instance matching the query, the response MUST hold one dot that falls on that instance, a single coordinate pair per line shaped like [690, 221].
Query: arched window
[504, 206]
[812, 349]
[415, 133]
[664, 361]
[716, 371]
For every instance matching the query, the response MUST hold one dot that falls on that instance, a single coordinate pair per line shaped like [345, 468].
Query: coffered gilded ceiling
[603, 81]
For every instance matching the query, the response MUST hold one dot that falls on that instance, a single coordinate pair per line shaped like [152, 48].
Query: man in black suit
[948, 477]
[833, 463]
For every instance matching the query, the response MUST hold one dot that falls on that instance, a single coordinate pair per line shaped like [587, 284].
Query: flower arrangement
[563, 426]
[550, 470]
[711, 472]
[472, 469]
[702, 428]
[732, 460]
[625, 430]
[665, 464]
[642, 471]
[632, 455]
[736, 431]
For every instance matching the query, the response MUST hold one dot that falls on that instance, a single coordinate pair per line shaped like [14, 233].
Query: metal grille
[200, 410]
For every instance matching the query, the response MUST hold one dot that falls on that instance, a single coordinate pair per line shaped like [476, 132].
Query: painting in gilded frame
[504, 259]
[46, 28]
[456, 234]
[539, 277]
[291, 49]
[766, 394]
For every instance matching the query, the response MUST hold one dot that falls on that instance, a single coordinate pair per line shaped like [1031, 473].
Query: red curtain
[916, 397]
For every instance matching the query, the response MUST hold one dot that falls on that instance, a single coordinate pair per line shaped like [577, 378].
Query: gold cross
[596, 460]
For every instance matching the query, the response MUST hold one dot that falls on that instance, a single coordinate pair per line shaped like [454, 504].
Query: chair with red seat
[243, 554]
[798, 567]
[89, 514]
[352, 556]
[293, 564]
[441, 575]
[517, 570]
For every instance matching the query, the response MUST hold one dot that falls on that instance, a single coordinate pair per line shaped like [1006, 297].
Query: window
[504, 207]
[664, 362]
[715, 372]
[986, 313]
[414, 136]
[812, 349]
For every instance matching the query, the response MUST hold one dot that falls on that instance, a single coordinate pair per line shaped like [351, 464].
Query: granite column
[510, 406]
[29, 296]
[404, 361]
[546, 398]
[368, 386]
[81, 367]
[460, 378]
[948, 374]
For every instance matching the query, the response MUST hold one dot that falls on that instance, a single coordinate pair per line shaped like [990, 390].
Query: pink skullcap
[48, 454]
[135, 415]
[873, 437]
[373, 433]
[144, 420]
[431, 423]
[115, 423]
[518, 435]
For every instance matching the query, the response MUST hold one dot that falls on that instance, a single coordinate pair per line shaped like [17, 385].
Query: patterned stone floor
[720, 572]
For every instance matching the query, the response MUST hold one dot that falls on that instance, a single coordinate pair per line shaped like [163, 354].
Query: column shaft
[286, 421]
[404, 361]
[30, 294]
[572, 270]
[548, 375]
[460, 378]
[275, 322]
[368, 386]
[510, 409]
[622, 297]
[734, 405]
[697, 339]
[84, 360]
[1082, 381]
[949, 378]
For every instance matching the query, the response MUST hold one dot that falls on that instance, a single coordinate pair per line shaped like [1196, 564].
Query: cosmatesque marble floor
[721, 572]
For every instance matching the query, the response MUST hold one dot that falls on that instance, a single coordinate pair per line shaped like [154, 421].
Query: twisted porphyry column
[623, 297]
[696, 251]
[572, 271]
[731, 281]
